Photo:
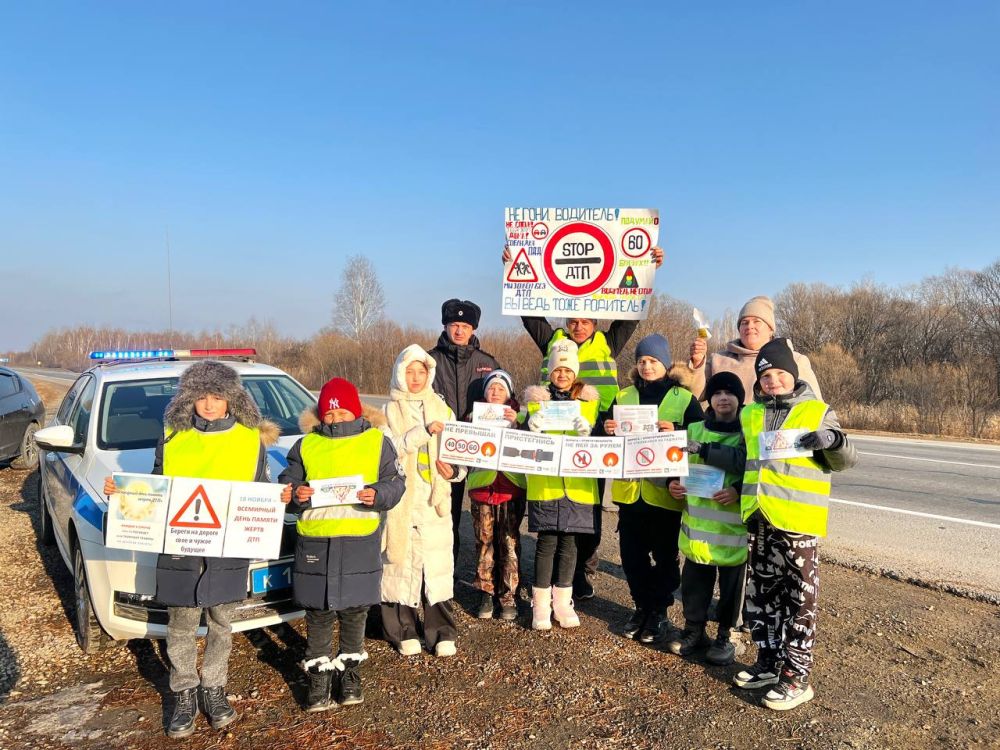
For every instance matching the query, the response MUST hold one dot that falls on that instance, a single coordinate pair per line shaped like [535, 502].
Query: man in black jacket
[461, 366]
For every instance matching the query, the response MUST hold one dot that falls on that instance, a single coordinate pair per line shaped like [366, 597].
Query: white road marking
[917, 513]
[930, 460]
[903, 440]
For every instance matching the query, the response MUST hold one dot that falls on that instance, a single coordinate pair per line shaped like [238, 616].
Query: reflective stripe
[817, 499]
[712, 514]
[424, 463]
[596, 381]
[596, 364]
[722, 540]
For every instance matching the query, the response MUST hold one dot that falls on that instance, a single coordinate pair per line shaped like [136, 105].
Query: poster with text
[137, 512]
[196, 517]
[464, 444]
[580, 262]
[255, 521]
[659, 455]
[530, 452]
[591, 457]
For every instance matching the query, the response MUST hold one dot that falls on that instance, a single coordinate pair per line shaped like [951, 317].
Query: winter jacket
[186, 581]
[460, 370]
[562, 515]
[335, 573]
[738, 359]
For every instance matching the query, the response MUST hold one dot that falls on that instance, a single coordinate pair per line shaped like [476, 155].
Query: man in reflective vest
[338, 555]
[792, 441]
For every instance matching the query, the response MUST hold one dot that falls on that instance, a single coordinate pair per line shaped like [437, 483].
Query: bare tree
[360, 302]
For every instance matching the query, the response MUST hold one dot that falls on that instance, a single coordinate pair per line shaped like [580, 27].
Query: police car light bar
[172, 353]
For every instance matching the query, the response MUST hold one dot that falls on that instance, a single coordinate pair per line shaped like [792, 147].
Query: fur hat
[460, 311]
[776, 354]
[759, 307]
[205, 378]
[725, 381]
[564, 353]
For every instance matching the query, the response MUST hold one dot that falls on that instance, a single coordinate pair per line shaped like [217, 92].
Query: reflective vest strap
[230, 455]
[424, 463]
[715, 539]
[708, 513]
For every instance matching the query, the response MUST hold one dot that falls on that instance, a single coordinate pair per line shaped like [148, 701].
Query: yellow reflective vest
[583, 490]
[597, 365]
[792, 493]
[671, 409]
[231, 454]
[328, 458]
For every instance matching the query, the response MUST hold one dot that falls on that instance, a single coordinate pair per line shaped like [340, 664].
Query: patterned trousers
[781, 593]
[497, 529]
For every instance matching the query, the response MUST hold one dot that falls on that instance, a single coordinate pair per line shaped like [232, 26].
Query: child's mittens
[536, 423]
[582, 426]
[820, 440]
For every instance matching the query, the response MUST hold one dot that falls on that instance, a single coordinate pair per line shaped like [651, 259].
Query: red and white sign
[578, 259]
[591, 457]
[659, 455]
[522, 269]
[470, 445]
[196, 514]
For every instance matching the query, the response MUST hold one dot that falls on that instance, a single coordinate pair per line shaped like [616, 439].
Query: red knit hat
[339, 394]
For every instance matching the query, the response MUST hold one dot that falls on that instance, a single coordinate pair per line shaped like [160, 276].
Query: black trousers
[648, 535]
[319, 631]
[457, 495]
[401, 623]
[555, 553]
[698, 585]
[588, 545]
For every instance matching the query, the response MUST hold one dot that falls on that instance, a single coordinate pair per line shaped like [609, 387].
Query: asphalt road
[925, 510]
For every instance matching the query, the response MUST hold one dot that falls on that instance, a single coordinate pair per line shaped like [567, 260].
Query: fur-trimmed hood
[309, 418]
[539, 393]
[205, 378]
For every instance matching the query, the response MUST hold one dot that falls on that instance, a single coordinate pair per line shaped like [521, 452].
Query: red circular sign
[636, 242]
[588, 257]
[581, 459]
[540, 230]
[645, 456]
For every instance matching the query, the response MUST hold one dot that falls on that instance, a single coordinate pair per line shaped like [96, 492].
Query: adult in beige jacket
[756, 328]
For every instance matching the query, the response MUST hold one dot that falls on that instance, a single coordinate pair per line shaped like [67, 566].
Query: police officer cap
[460, 311]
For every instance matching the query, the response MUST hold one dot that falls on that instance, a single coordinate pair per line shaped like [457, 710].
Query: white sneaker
[409, 647]
[445, 648]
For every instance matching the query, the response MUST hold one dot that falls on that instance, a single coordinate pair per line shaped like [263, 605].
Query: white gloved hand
[582, 426]
[536, 422]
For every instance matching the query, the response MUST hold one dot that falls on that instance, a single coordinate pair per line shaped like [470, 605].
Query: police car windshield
[132, 410]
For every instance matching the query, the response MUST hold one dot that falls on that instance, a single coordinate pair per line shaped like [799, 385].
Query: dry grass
[898, 417]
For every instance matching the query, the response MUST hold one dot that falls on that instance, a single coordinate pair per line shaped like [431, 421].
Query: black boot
[656, 629]
[185, 711]
[691, 640]
[217, 707]
[348, 685]
[320, 679]
[634, 623]
[485, 609]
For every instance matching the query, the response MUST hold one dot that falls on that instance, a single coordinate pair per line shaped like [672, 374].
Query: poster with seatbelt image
[475, 446]
[659, 455]
[530, 452]
[196, 517]
[592, 457]
[579, 262]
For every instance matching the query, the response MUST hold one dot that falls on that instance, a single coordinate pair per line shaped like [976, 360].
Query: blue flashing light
[133, 354]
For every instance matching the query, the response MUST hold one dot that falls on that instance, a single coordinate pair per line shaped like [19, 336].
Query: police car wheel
[89, 636]
[45, 532]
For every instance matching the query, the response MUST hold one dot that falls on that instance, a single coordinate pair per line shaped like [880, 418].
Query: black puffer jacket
[460, 371]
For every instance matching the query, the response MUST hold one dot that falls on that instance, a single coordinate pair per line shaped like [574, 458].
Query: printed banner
[476, 446]
[591, 457]
[634, 420]
[336, 491]
[196, 515]
[703, 481]
[255, 521]
[530, 452]
[137, 512]
[659, 455]
[580, 262]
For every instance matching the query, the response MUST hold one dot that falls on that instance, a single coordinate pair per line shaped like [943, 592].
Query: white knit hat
[565, 353]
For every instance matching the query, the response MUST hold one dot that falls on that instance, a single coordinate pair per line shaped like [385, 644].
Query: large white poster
[255, 521]
[659, 455]
[137, 512]
[580, 262]
[591, 457]
[196, 517]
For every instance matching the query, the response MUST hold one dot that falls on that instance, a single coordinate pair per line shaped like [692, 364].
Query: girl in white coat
[420, 567]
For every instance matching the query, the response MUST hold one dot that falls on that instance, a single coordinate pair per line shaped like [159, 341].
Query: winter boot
[347, 681]
[633, 625]
[691, 640]
[656, 628]
[320, 671]
[541, 608]
[761, 674]
[185, 711]
[562, 607]
[792, 690]
[722, 651]
[485, 609]
[217, 708]
[508, 608]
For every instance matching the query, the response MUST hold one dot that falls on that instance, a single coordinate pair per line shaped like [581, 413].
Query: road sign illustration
[645, 456]
[540, 231]
[582, 459]
[636, 242]
[197, 512]
[579, 258]
[522, 269]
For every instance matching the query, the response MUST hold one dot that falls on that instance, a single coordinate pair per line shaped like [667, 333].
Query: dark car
[21, 414]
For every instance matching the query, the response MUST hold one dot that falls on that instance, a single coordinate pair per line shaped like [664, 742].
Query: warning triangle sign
[521, 269]
[628, 280]
[197, 512]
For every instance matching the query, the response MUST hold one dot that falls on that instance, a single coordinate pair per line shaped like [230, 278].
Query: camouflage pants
[781, 593]
[497, 529]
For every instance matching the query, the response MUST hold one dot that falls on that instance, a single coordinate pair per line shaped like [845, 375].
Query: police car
[110, 420]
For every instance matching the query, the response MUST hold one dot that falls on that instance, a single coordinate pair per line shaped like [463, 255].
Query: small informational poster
[530, 452]
[659, 455]
[782, 444]
[591, 457]
[559, 415]
[634, 420]
[473, 445]
[703, 480]
[197, 515]
[137, 512]
[255, 521]
[487, 415]
[336, 491]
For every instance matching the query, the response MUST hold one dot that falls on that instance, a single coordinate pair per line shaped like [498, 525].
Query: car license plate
[271, 578]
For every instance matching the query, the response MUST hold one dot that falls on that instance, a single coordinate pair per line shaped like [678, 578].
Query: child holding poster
[649, 518]
[418, 538]
[212, 430]
[559, 508]
[713, 537]
[338, 556]
[791, 443]
[497, 511]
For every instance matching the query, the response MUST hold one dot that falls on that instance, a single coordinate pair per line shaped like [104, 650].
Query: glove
[536, 422]
[820, 440]
[693, 447]
[582, 426]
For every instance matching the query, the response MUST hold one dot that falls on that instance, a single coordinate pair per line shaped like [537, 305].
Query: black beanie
[725, 381]
[460, 311]
[776, 353]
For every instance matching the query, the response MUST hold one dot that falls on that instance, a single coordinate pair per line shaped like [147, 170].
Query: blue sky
[781, 142]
